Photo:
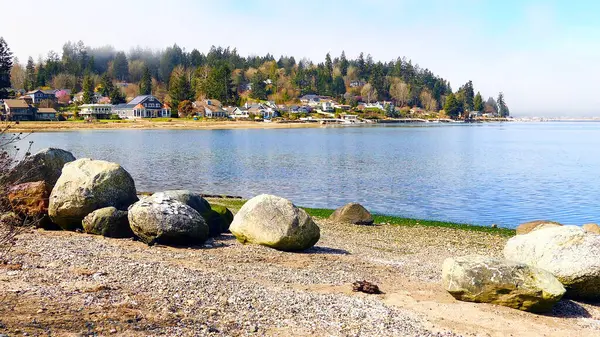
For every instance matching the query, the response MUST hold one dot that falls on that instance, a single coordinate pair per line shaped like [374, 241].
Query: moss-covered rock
[86, 185]
[109, 222]
[489, 280]
[275, 222]
[226, 216]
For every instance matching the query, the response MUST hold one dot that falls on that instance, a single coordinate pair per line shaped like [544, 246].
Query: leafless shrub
[11, 225]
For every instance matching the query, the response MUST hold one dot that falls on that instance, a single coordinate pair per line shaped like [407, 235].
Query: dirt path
[65, 284]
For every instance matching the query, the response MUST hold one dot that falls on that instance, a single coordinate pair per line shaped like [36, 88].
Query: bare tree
[369, 93]
[428, 101]
[400, 91]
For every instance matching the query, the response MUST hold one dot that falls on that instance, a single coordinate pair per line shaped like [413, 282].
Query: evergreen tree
[259, 87]
[179, 89]
[362, 66]
[452, 106]
[219, 85]
[30, 78]
[329, 66]
[40, 78]
[88, 90]
[468, 95]
[344, 64]
[478, 102]
[106, 86]
[503, 110]
[146, 83]
[120, 67]
[5, 67]
[339, 87]
[116, 96]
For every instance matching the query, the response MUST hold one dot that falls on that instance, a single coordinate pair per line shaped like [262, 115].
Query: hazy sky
[544, 55]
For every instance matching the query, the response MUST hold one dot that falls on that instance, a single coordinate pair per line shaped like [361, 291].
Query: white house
[238, 113]
[328, 106]
[98, 111]
[145, 106]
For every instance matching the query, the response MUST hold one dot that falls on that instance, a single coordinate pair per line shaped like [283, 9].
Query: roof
[47, 110]
[16, 103]
[141, 98]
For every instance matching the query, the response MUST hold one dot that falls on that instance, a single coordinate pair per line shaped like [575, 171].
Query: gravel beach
[72, 284]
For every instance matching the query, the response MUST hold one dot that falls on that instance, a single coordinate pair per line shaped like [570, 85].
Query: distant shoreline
[175, 124]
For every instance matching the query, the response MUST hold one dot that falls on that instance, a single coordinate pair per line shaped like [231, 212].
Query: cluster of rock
[99, 197]
[543, 262]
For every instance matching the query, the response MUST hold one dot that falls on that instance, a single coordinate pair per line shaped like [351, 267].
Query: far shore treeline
[175, 75]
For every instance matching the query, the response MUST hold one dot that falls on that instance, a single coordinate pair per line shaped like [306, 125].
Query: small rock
[352, 213]
[494, 225]
[113, 330]
[591, 228]
[528, 227]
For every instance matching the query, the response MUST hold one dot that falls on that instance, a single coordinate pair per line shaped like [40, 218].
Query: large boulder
[30, 202]
[568, 252]
[275, 222]
[353, 213]
[198, 203]
[484, 279]
[45, 165]
[162, 219]
[528, 227]
[86, 185]
[109, 222]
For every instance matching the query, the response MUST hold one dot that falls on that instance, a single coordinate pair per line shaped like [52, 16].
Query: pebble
[240, 289]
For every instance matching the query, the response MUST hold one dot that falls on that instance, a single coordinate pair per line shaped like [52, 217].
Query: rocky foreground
[72, 284]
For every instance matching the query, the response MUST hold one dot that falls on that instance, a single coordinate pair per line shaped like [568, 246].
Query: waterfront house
[145, 106]
[210, 108]
[328, 106]
[312, 100]
[97, 111]
[416, 111]
[18, 110]
[238, 113]
[46, 114]
[40, 95]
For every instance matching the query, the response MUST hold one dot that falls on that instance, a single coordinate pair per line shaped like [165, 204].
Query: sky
[544, 55]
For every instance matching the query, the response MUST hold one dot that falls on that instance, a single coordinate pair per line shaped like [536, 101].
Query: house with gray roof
[144, 106]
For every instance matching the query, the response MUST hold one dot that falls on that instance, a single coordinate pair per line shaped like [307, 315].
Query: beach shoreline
[174, 124]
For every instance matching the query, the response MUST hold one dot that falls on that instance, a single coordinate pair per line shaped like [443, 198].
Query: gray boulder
[109, 222]
[353, 213]
[86, 185]
[275, 222]
[198, 203]
[568, 252]
[162, 219]
[488, 280]
[45, 165]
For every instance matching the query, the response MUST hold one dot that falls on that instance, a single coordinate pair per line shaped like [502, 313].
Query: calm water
[481, 174]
